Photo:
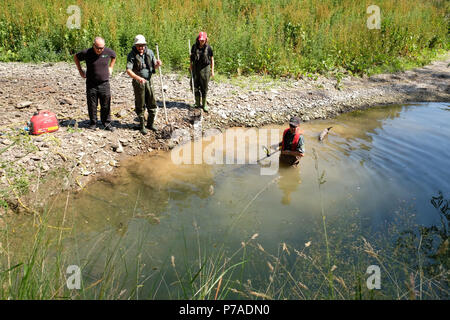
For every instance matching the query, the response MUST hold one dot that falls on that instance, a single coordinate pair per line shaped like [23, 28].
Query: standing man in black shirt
[99, 64]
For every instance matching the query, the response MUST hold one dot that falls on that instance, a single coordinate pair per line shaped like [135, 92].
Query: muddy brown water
[374, 161]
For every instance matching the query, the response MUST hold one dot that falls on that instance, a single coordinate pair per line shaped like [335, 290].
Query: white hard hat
[139, 39]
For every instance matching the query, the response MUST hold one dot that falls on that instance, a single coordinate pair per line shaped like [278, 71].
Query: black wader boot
[204, 106]
[151, 120]
[197, 99]
[142, 125]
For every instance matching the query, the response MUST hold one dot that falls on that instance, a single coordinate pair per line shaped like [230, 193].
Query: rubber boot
[151, 120]
[204, 106]
[142, 126]
[197, 100]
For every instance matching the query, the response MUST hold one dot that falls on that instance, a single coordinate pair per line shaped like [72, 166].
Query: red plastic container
[42, 122]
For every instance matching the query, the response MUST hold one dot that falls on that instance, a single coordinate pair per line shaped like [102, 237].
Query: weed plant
[277, 38]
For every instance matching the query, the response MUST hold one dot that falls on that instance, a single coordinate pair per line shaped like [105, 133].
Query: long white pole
[162, 87]
[192, 77]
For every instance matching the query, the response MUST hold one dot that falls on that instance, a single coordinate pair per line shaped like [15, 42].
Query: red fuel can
[42, 122]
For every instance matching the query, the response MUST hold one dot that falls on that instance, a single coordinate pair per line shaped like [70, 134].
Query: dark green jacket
[134, 62]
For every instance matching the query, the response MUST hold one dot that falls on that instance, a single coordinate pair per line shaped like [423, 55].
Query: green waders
[201, 80]
[144, 97]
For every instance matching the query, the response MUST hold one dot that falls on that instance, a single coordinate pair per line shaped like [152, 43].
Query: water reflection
[426, 248]
[140, 189]
[356, 130]
[289, 182]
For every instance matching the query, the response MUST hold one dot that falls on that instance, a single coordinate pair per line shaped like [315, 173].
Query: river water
[154, 224]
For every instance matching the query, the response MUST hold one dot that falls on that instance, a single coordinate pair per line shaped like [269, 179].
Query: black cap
[295, 121]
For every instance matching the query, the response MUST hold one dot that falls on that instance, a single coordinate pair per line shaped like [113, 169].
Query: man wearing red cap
[202, 67]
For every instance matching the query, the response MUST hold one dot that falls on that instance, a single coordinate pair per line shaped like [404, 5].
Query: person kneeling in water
[293, 144]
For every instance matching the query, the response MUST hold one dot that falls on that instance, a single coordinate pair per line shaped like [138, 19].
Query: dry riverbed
[74, 155]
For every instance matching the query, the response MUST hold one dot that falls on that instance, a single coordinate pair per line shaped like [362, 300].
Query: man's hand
[292, 153]
[158, 63]
[111, 65]
[141, 80]
[135, 76]
[82, 73]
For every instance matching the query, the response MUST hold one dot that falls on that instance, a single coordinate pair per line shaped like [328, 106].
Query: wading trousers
[201, 80]
[144, 98]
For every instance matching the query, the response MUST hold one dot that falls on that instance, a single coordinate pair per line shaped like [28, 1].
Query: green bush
[279, 38]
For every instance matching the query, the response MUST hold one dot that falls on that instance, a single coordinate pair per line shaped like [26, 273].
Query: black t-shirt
[97, 65]
[201, 57]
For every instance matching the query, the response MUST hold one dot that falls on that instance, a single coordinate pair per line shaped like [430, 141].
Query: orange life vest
[294, 144]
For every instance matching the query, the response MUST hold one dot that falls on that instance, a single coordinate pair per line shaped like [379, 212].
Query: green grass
[276, 38]
[321, 269]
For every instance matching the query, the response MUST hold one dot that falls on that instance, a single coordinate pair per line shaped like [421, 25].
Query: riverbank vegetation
[413, 262]
[279, 38]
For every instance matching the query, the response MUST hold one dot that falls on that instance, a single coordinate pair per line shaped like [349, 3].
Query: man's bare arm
[77, 63]
[111, 65]
[293, 153]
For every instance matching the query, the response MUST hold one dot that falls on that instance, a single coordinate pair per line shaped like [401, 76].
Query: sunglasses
[98, 48]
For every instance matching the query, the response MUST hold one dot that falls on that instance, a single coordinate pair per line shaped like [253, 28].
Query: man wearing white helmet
[141, 64]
